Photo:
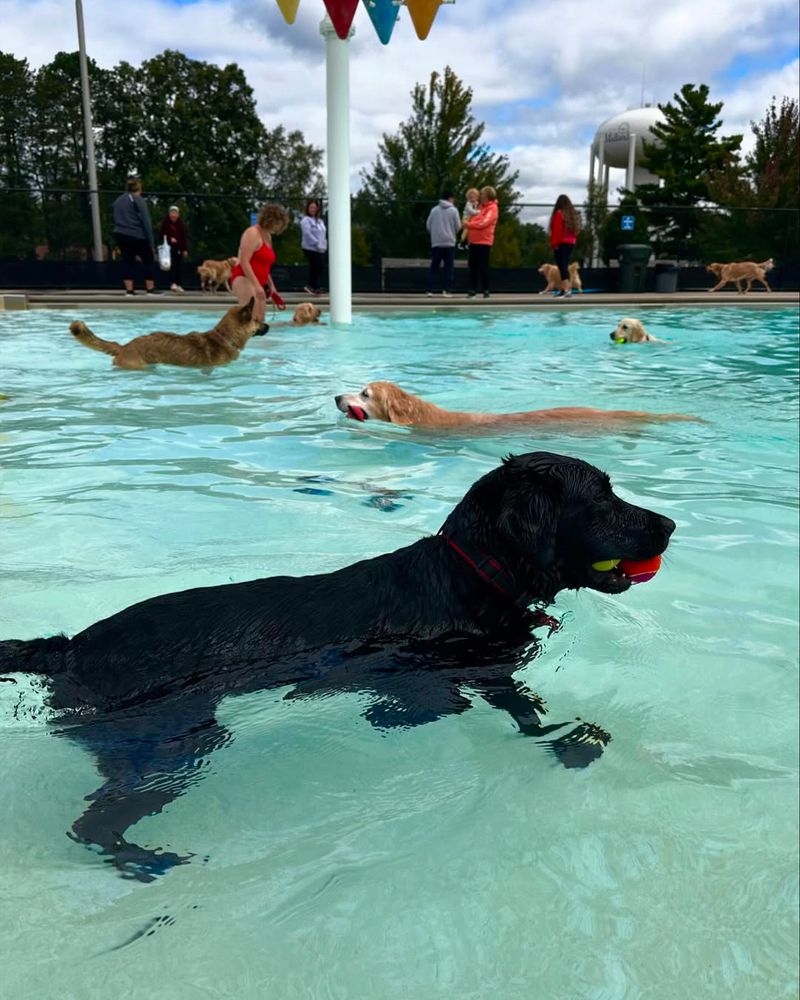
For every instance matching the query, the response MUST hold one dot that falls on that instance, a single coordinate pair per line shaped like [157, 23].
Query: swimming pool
[454, 859]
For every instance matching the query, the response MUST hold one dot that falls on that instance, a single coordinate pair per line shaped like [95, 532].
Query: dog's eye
[365, 393]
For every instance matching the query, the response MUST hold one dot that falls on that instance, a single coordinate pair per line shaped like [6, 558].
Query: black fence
[46, 241]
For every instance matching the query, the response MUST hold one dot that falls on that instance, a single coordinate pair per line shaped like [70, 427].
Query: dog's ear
[400, 407]
[512, 513]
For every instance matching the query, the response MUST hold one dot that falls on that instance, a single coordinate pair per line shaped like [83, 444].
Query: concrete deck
[405, 302]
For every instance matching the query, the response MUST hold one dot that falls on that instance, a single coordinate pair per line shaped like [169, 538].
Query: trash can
[666, 276]
[633, 258]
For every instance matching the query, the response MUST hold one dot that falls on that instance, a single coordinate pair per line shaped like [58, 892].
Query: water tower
[619, 142]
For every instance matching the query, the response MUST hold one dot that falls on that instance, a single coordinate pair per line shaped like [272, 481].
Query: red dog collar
[490, 570]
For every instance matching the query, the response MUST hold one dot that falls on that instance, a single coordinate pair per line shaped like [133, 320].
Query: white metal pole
[94, 197]
[629, 177]
[337, 66]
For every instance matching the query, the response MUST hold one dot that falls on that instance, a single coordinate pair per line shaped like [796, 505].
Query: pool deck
[405, 302]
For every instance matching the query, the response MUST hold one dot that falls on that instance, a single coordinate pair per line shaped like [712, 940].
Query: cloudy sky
[543, 75]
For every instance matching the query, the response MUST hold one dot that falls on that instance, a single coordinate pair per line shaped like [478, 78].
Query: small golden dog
[631, 331]
[744, 271]
[305, 314]
[386, 401]
[214, 273]
[195, 350]
[552, 276]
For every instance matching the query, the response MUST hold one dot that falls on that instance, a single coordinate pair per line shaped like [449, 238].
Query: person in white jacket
[443, 224]
[314, 243]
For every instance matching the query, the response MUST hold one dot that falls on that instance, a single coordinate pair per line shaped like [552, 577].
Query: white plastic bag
[164, 256]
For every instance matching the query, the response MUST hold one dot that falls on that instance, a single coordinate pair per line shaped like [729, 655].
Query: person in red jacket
[173, 229]
[480, 237]
[563, 233]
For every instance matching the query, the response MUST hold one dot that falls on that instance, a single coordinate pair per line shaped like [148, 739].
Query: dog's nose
[613, 334]
[337, 399]
[667, 525]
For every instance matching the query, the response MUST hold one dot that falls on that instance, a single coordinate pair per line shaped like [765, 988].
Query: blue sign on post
[628, 222]
[254, 218]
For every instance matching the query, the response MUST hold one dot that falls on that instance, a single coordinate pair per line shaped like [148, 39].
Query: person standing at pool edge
[480, 234]
[256, 257]
[173, 230]
[563, 234]
[443, 225]
[314, 243]
[133, 232]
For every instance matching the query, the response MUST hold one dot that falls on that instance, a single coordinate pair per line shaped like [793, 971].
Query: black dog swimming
[415, 629]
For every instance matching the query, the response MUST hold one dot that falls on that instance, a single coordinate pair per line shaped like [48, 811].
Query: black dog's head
[548, 518]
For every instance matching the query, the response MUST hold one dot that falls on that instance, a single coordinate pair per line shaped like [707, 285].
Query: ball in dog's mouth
[356, 413]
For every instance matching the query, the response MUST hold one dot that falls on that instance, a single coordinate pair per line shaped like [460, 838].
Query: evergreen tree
[687, 158]
[438, 147]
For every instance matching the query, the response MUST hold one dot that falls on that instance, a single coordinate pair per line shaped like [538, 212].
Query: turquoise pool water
[456, 859]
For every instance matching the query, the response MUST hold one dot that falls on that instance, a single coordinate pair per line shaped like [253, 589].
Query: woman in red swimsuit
[256, 258]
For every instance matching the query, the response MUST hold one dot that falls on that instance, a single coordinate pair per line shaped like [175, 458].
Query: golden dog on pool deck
[552, 276]
[218, 346]
[632, 331]
[214, 273]
[745, 270]
[387, 401]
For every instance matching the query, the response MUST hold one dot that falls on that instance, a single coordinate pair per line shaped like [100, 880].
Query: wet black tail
[34, 656]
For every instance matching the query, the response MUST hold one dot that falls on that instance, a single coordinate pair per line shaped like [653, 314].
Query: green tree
[774, 171]
[687, 158]
[439, 146]
[21, 224]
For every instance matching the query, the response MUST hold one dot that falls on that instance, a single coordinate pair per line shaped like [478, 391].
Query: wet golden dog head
[306, 313]
[381, 401]
[630, 331]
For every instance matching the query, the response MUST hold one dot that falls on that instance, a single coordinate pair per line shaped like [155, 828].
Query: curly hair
[273, 218]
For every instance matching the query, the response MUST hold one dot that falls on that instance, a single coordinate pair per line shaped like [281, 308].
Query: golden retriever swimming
[744, 271]
[387, 401]
[195, 350]
[305, 314]
[214, 273]
[632, 331]
[552, 276]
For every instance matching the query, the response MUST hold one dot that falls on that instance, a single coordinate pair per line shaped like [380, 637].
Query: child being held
[471, 208]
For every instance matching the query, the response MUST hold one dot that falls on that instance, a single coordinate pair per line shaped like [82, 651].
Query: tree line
[191, 131]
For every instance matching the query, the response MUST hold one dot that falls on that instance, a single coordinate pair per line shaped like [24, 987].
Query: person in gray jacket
[133, 232]
[443, 224]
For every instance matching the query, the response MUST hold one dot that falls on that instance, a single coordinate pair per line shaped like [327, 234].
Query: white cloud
[541, 84]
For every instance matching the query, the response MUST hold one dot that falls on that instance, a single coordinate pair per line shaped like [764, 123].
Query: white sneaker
[429, 293]
[175, 288]
[446, 295]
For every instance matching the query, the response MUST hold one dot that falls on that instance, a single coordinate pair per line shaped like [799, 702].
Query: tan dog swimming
[632, 331]
[552, 276]
[214, 273]
[744, 271]
[387, 401]
[218, 346]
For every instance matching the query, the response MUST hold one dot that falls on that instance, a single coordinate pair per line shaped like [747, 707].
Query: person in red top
[563, 233]
[480, 237]
[173, 229]
[256, 257]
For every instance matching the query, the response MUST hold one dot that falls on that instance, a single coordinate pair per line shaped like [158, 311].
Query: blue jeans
[446, 256]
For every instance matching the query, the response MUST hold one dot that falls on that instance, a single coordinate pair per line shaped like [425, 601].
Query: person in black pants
[133, 232]
[314, 243]
[563, 235]
[173, 230]
[480, 234]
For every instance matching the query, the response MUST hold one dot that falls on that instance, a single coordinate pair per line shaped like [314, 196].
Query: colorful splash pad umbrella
[337, 29]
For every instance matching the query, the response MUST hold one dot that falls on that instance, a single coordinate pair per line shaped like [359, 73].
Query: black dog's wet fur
[418, 629]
